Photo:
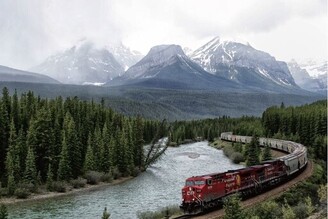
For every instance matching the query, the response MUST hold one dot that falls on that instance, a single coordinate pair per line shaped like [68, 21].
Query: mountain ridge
[241, 62]
[169, 64]
[86, 63]
[16, 75]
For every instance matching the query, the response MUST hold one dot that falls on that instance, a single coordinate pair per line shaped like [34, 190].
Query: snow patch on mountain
[315, 68]
[88, 63]
[227, 58]
[316, 81]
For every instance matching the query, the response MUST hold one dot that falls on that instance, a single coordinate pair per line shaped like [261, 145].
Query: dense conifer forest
[47, 140]
[306, 124]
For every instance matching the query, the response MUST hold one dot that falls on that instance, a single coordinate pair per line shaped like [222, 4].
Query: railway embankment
[269, 195]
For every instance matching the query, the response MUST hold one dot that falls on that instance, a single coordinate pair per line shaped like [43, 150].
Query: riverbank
[52, 195]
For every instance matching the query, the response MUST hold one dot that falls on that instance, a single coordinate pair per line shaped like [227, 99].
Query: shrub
[173, 144]
[116, 173]
[237, 157]
[127, 173]
[59, 186]
[163, 213]
[22, 193]
[28, 186]
[93, 177]
[3, 192]
[300, 211]
[78, 183]
[135, 172]
[228, 150]
[107, 177]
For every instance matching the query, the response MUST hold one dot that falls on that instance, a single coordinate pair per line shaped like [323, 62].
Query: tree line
[305, 124]
[58, 140]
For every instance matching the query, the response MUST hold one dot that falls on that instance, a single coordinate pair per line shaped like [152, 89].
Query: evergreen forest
[48, 140]
[52, 142]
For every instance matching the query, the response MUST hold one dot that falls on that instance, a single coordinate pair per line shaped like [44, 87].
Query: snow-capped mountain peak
[88, 63]
[161, 55]
[168, 66]
[242, 63]
[124, 55]
[315, 81]
[315, 68]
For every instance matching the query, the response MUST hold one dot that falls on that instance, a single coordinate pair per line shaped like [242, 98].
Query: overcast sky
[31, 30]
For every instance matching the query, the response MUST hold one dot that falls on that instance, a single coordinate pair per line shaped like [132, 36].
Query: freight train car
[209, 190]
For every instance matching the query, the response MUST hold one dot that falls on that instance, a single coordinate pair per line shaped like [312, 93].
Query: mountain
[314, 82]
[187, 51]
[10, 74]
[85, 63]
[244, 64]
[167, 66]
[315, 68]
[124, 55]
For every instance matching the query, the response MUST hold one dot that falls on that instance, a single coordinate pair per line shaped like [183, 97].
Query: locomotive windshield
[199, 182]
[196, 183]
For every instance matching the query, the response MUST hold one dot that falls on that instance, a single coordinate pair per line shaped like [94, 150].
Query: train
[204, 192]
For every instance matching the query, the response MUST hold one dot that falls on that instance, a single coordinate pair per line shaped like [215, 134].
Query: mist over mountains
[219, 78]
[311, 76]
[86, 63]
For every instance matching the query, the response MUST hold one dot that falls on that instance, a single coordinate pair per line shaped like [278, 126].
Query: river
[154, 189]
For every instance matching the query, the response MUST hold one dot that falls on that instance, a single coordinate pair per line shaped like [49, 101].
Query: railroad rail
[205, 192]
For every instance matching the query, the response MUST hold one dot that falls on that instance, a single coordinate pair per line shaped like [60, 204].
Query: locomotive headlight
[199, 195]
[193, 199]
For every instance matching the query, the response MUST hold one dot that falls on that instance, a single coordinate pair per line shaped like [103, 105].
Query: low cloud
[32, 30]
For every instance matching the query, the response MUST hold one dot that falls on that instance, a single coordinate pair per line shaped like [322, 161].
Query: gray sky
[31, 30]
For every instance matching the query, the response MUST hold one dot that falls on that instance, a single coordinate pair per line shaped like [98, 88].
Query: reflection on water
[158, 187]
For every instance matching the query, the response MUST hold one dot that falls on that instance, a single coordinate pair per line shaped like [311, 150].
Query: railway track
[264, 196]
[182, 217]
[259, 198]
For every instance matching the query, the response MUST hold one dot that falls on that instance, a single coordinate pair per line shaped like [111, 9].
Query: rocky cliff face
[242, 63]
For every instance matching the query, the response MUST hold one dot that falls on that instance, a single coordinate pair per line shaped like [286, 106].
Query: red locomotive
[207, 191]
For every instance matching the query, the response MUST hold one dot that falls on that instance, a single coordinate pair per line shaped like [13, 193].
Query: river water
[154, 189]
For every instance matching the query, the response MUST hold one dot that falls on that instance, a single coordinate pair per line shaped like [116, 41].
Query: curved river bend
[154, 189]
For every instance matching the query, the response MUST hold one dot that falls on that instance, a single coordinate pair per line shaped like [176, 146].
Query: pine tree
[22, 150]
[50, 178]
[89, 162]
[232, 208]
[267, 153]
[105, 154]
[139, 143]
[121, 154]
[253, 153]
[73, 146]
[12, 166]
[15, 113]
[57, 146]
[129, 147]
[11, 185]
[98, 148]
[3, 212]
[30, 168]
[4, 136]
[105, 215]
[64, 169]
[41, 138]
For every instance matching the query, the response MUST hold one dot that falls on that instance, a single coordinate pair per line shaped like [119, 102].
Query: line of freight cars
[207, 191]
